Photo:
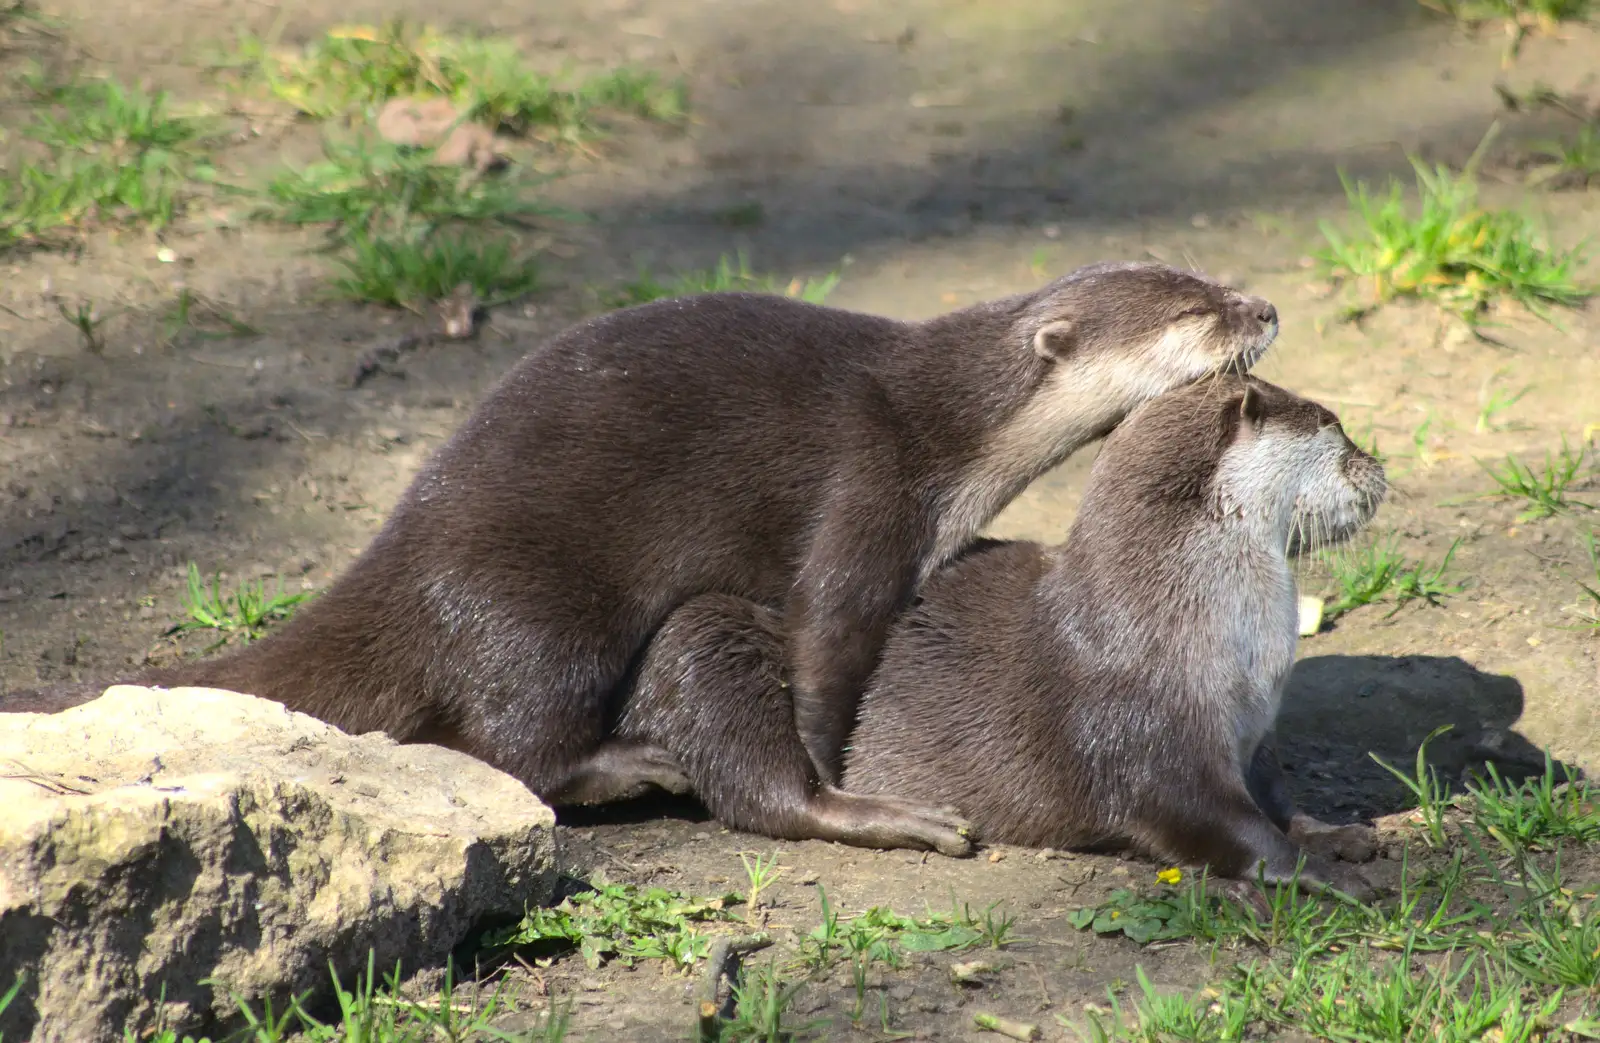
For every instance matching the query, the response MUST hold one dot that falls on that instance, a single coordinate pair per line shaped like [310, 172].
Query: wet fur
[815, 461]
[1114, 692]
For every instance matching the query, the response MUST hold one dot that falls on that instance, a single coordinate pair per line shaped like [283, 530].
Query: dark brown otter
[1117, 691]
[814, 460]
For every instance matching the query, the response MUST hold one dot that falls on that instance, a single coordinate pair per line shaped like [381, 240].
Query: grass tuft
[1537, 813]
[374, 1013]
[409, 271]
[1448, 249]
[728, 275]
[1573, 163]
[1432, 795]
[100, 153]
[380, 189]
[359, 67]
[1546, 492]
[1377, 570]
[621, 922]
[1589, 615]
[245, 614]
[1521, 18]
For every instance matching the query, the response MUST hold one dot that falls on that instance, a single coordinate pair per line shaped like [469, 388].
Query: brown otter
[816, 460]
[1118, 691]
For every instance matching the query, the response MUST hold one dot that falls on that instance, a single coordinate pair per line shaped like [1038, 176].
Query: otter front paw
[1352, 843]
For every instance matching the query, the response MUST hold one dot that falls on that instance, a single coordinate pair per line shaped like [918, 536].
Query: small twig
[1044, 990]
[1005, 1026]
[723, 952]
[454, 1008]
[309, 436]
[54, 785]
[224, 363]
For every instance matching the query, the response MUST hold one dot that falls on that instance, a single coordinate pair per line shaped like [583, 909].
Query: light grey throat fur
[1269, 485]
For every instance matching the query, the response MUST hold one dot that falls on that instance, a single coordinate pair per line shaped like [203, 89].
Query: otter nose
[1264, 311]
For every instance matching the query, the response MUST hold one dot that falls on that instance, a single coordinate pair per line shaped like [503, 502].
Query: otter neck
[1207, 604]
[1025, 414]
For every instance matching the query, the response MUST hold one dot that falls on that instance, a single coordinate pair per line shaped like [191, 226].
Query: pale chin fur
[1292, 490]
[1252, 354]
[1189, 351]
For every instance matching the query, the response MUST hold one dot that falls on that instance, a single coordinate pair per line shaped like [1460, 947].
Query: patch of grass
[1520, 17]
[373, 1013]
[359, 67]
[1546, 491]
[1574, 162]
[1492, 401]
[1537, 813]
[20, 18]
[1590, 616]
[881, 935]
[621, 922]
[87, 320]
[1439, 961]
[727, 275]
[1377, 570]
[100, 153]
[762, 999]
[761, 873]
[1448, 249]
[1421, 583]
[245, 614]
[407, 271]
[1433, 796]
[380, 189]
[203, 319]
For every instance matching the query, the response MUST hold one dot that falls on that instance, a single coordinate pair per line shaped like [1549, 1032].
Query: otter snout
[1262, 310]
[1257, 312]
[1256, 321]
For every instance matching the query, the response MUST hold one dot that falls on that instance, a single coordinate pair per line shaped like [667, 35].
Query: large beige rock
[156, 838]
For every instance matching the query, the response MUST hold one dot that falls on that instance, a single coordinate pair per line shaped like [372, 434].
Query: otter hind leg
[1219, 823]
[618, 770]
[711, 691]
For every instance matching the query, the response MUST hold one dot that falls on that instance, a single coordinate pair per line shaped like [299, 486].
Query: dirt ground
[941, 152]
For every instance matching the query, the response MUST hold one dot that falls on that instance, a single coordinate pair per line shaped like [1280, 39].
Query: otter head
[1238, 449]
[1143, 329]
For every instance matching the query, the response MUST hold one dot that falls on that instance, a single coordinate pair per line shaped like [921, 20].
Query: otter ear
[1055, 339]
[1251, 409]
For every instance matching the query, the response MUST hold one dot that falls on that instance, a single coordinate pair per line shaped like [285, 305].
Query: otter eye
[1197, 310]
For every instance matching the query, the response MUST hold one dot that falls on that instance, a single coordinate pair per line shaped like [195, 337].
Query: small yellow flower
[1170, 876]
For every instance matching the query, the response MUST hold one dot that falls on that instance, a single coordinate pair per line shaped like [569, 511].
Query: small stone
[701, 836]
[996, 856]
